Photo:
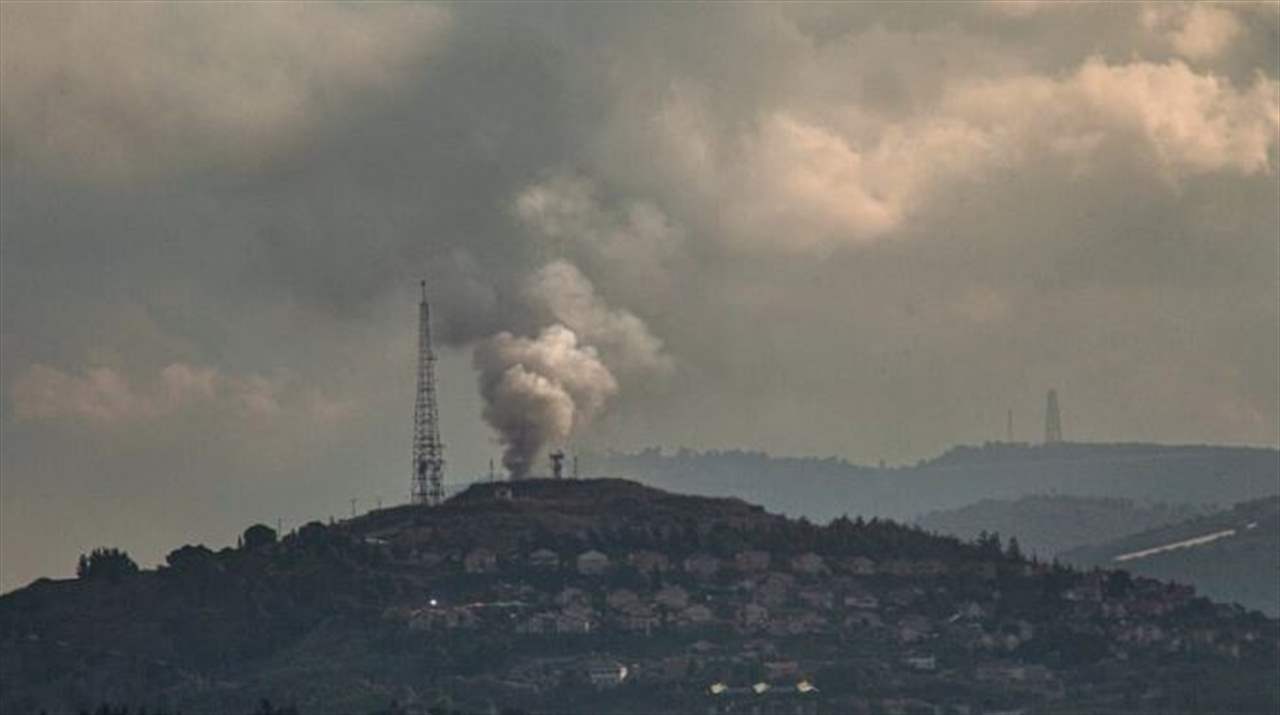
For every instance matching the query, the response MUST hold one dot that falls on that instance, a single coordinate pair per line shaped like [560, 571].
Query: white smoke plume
[538, 390]
[562, 291]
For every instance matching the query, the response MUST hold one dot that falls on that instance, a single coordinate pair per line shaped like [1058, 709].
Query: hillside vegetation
[1048, 525]
[1231, 555]
[608, 596]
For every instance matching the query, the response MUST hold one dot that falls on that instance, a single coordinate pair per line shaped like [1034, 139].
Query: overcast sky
[854, 230]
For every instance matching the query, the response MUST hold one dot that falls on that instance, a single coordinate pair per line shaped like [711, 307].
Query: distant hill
[1048, 525]
[1230, 555]
[825, 488]
[607, 596]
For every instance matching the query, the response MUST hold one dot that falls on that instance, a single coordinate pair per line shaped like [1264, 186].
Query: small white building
[860, 566]
[702, 566]
[925, 663]
[647, 562]
[480, 560]
[593, 563]
[753, 615]
[809, 564]
[673, 597]
[544, 559]
[606, 673]
[622, 599]
[775, 589]
[696, 614]
[752, 561]
[862, 600]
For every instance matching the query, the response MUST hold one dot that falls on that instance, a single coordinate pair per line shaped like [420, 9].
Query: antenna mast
[428, 452]
[1052, 419]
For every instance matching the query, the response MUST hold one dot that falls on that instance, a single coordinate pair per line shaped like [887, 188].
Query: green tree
[109, 563]
[189, 557]
[1013, 551]
[257, 536]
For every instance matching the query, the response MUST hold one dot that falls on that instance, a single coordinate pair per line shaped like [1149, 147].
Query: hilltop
[554, 508]
[610, 596]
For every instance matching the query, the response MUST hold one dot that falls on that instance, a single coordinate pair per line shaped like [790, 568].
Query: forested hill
[607, 596]
[1048, 525]
[1229, 555]
[825, 488]
[330, 616]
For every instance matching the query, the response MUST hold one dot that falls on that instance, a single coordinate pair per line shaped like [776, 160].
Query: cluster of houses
[916, 614]
[705, 566]
[752, 592]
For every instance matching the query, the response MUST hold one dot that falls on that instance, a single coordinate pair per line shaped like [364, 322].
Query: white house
[593, 563]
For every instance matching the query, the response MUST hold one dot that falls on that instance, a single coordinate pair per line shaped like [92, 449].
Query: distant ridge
[1230, 555]
[1203, 475]
[1048, 525]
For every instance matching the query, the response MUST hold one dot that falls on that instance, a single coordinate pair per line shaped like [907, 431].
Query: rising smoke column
[537, 390]
[562, 292]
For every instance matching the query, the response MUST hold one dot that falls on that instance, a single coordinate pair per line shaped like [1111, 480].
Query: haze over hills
[1230, 555]
[609, 596]
[1048, 525]
[274, 262]
[826, 488]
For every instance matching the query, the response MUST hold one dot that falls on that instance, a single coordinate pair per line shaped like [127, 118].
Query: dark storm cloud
[861, 229]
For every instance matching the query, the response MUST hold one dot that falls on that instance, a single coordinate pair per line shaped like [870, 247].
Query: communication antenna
[1052, 419]
[427, 486]
[557, 464]
[575, 466]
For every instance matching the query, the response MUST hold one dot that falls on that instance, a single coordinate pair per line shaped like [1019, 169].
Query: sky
[862, 230]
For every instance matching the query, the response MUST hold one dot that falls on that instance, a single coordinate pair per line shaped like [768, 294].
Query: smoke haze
[537, 390]
[863, 230]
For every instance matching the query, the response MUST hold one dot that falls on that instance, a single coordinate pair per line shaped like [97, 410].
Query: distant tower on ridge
[428, 452]
[557, 464]
[1052, 419]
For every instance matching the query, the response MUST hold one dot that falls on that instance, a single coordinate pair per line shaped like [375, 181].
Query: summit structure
[1052, 419]
[427, 486]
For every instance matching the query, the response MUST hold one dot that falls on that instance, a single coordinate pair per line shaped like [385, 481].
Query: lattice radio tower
[1052, 419]
[428, 452]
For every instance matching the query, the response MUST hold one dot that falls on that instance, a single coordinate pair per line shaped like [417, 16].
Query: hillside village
[604, 595]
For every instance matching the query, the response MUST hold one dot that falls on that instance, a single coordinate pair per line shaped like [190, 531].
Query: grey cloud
[131, 92]
[811, 211]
